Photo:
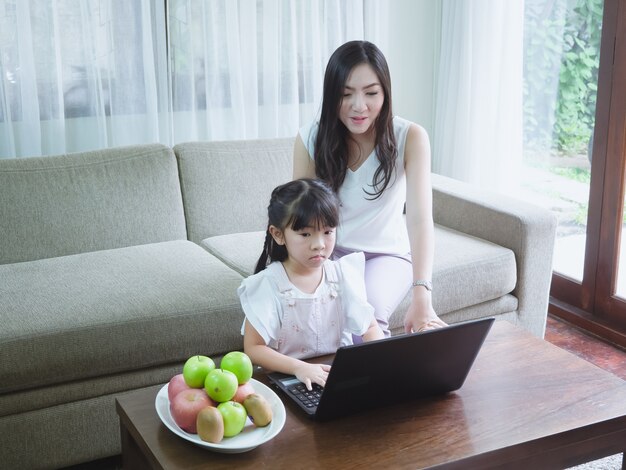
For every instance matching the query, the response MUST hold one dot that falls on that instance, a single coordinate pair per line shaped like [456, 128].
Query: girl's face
[363, 98]
[309, 247]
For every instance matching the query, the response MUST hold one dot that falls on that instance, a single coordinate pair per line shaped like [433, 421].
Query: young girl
[301, 304]
[376, 162]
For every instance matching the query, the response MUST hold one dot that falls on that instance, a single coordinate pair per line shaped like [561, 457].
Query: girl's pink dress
[304, 325]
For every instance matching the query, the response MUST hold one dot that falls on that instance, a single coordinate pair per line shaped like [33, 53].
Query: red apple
[176, 384]
[185, 407]
[243, 391]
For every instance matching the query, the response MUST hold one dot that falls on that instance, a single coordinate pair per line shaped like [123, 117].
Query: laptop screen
[412, 366]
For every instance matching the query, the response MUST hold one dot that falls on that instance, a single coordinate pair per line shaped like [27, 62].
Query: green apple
[221, 385]
[234, 415]
[196, 369]
[239, 364]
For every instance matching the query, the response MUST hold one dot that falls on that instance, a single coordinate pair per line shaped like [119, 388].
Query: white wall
[412, 51]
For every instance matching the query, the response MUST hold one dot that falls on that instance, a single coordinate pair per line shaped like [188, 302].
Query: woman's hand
[312, 373]
[421, 316]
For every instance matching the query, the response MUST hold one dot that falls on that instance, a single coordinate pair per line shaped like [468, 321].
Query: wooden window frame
[591, 305]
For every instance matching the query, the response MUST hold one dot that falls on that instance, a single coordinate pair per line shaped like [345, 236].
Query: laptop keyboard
[309, 398]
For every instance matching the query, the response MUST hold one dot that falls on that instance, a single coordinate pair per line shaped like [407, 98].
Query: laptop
[415, 365]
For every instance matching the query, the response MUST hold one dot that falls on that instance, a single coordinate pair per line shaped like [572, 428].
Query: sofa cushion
[75, 203]
[240, 251]
[226, 186]
[472, 270]
[106, 312]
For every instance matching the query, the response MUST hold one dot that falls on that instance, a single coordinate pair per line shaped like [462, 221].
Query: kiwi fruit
[210, 425]
[258, 409]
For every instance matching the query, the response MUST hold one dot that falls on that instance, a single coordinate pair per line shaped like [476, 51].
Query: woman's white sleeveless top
[366, 224]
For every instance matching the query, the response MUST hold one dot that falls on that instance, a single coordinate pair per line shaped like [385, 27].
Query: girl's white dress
[304, 325]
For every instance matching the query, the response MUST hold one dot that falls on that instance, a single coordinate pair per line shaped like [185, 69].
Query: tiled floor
[590, 348]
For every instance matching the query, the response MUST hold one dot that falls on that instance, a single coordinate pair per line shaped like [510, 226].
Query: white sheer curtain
[478, 111]
[75, 75]
[79, 75]
[248, 68]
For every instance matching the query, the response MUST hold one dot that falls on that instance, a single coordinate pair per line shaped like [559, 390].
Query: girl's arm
[261, 354]
[420, 226]
[303, 166]
[373, 332]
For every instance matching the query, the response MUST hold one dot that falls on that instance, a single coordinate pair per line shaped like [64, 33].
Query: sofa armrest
[528, 230]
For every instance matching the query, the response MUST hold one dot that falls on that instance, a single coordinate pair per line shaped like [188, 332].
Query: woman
[375, 162]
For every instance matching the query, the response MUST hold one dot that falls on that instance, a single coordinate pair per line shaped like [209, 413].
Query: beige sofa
[117, 265]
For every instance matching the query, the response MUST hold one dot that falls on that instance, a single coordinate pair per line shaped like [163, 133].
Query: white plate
[248, 439]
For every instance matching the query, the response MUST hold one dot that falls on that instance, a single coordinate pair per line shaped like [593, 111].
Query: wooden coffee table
[525, 404]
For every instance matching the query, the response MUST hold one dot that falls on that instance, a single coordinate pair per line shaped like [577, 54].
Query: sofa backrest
[226, 186]
[80, 202]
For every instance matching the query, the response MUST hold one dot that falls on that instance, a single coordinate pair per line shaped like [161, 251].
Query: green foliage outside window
[562, 38]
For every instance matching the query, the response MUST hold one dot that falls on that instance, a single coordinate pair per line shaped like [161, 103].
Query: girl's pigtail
[266, 254]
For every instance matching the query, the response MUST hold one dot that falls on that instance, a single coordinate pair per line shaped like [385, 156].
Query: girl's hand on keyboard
[312, 373]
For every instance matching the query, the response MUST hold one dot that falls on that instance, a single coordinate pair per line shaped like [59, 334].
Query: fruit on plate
[235, 417]
[243, 391]
[210, 425]
[221, 385]
[185, 407]
[196, 369]
[239, 364]
[258, 409]
[177, 384]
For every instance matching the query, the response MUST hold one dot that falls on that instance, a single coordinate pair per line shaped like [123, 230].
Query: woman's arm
[262, 355]
[303, 165]
[420, 226]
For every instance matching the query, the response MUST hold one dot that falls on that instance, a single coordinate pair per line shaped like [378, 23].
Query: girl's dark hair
[298, 204]
[331, 144]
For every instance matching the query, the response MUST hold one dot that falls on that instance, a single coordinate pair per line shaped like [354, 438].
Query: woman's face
[363, 98]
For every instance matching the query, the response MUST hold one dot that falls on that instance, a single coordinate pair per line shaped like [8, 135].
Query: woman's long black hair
[298, 204]
[331, 144]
